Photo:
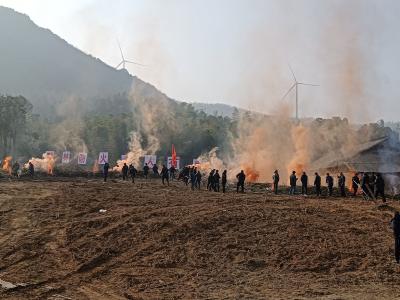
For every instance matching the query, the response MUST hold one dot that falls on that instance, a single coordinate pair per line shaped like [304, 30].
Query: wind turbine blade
[287, 93]
[291, 70]
[135, 63]
[120, 50]
[302, 83]
[119, 65]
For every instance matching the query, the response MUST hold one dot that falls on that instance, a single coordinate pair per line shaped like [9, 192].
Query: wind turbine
[124, 61]
[296, 86]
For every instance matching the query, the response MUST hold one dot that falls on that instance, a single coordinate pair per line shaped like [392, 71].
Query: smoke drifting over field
[279, 142]
[338, 54]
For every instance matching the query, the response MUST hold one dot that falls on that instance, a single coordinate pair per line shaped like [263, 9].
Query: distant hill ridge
[47, 70]
[41, 66]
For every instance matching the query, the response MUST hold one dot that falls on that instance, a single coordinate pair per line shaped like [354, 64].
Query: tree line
[24, 134]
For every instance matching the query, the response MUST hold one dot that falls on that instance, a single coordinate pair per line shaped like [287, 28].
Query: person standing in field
[132, 172]
[210, 180]
[15, 169]
[304, 183]
[146, 170]
[317, 184]
[365, 184]
[125, 170]
[275, 179]
[329, 183]
[193, 178]
[155, 169]
[198, 179]
[172, 172]
[355, 182]
[395, 224]
[217, 178]
[223, 181]
[31, 169]
[293, 182]
[105, 171]
[241, 177]
[380, 187]
[342, 184]
[164, 175]
[372, 183]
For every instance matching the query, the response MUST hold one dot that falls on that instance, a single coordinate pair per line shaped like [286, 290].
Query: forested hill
[45, 69]
[55, 96]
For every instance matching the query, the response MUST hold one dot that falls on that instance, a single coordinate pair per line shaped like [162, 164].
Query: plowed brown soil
[156, 242]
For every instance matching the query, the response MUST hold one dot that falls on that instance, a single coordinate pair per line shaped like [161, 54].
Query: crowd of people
[371, 185]
[16, 169]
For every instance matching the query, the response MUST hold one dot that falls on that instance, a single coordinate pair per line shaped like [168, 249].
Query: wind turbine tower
[296, 87]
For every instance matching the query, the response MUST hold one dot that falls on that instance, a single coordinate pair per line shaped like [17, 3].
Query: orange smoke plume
[45, 164]
[251, 174]
[7, 164]
[96, 167]
[301, 157]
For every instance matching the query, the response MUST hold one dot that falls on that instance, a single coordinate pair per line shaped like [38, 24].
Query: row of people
[371, 186]
[131, 171]
[16, 170]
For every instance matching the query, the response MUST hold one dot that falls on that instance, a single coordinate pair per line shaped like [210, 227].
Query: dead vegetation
[156, 242]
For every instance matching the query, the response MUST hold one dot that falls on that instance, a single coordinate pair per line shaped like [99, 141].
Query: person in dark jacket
[304, 183]
[329, 183]
[372, 181]
[293, 182]
[15, 169]
[217, 178]
[31, 169]
[193, 178]
[241, 177]
[395, 223]
[125, 170]
[146, 170]
[355, 182]
[132, 172]
[198, 179]
[172, 171]
[342, 184]
[164, 174]
[210, 180]
[365, 184]
[155, 169]
[223, 181]
[380, 187]
[275, 179]
[105, 171]
[317, 184]
[186, 175]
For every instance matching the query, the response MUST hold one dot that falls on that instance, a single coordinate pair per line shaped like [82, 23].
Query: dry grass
[156, 242]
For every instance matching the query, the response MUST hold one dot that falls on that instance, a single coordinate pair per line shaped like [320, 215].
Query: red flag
[173, 156]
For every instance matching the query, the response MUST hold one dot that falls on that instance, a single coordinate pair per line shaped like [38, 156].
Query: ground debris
[156, 241]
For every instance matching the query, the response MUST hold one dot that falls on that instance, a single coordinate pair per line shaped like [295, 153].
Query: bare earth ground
[156, 242]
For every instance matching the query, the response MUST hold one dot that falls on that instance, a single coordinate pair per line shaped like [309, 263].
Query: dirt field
[156, 242]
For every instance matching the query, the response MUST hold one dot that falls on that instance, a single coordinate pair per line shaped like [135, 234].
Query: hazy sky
[237, 51]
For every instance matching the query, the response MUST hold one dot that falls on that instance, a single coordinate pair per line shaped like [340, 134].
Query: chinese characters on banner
[196, 161]
[82, 158]
[178, 162]
[66, 157]
[150, 160]
[103, 158]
